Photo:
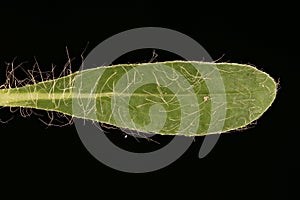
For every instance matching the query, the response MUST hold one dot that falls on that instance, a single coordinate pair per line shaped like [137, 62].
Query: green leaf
[172, 98]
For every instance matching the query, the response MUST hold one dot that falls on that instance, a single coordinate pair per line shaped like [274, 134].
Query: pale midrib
[6, 98]
[11, 97]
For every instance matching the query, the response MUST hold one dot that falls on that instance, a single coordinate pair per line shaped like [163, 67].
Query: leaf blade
[174, 86]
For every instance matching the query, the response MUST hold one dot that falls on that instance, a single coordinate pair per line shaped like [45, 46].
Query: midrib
[7, 98]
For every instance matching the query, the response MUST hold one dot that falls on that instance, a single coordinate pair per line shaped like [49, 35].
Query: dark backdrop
[257, 162]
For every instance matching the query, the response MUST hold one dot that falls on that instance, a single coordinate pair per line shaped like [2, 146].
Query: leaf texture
[174, 98]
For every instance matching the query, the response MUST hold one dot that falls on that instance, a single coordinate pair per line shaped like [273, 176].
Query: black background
[257, 162]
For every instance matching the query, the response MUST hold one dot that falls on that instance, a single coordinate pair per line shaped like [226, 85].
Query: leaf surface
[173, 98]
